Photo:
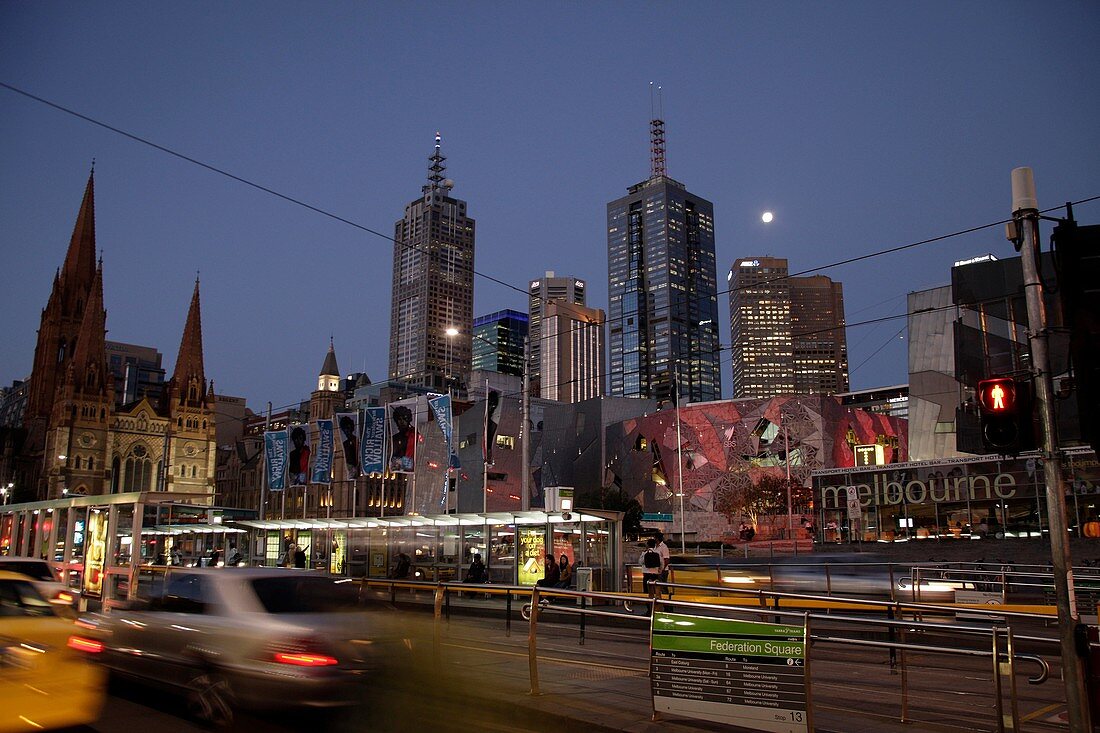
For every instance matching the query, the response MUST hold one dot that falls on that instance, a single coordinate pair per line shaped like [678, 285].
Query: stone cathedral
[78, 442]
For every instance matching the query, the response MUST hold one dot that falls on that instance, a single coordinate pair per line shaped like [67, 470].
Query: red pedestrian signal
[1006, 416]
[997, 396]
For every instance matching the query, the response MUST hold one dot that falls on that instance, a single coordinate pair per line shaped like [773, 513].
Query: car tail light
[63, 596]
[83, 644]
[302, 653]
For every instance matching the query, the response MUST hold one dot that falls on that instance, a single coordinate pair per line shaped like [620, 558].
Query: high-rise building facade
[433, 284]
[540, 293]
[819, 344]
[662, 288]
[760, 327]
[573, 361]
[498, 342]
[787, 334]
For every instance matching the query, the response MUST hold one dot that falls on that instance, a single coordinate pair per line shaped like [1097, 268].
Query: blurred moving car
[252, 637]
[42, 577]
[45, 682]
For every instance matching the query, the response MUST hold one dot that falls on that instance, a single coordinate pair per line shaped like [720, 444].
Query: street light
[451, 332]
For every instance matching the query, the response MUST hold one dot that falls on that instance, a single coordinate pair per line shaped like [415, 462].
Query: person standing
[650, 561]
[662, 550]
[299, 557]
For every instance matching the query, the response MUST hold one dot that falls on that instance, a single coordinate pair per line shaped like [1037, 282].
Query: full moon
[766, 217]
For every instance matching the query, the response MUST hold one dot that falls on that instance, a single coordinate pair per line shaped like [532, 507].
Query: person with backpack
[651, 566]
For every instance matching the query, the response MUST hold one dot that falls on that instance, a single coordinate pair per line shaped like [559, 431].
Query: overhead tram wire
[524, 291]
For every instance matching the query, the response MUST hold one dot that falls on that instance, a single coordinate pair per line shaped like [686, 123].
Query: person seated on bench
[477, 573]
[565, 573]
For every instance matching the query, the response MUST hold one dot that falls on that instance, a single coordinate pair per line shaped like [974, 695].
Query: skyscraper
[573, 361]
[818, 336]
[760, 327]
[540, 293]
[786, 333]
[498, 342]
[433, 284]
[662, 288]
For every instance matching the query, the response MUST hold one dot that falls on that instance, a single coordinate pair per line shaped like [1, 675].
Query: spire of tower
[439, 164]
[80, 262]
[656, 133]
[329, 368]
[88, 367]
[189, 367]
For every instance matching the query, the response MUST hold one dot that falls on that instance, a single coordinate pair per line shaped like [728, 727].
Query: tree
[614, 498]
[767, 496]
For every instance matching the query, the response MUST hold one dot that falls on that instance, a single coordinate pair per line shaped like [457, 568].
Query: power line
[459, 266]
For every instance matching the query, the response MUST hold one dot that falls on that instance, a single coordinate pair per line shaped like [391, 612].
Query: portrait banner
[441, 408]
[322, 462]
[300, 454]
[402, 437]
[348, 422]
[374, 440]
[276, 447]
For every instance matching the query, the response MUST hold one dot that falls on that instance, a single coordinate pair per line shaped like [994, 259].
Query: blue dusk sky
[863, 126]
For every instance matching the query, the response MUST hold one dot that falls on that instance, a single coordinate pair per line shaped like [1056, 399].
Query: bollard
[892, 636]
[508, 613]
[439, 593]
[582, 619]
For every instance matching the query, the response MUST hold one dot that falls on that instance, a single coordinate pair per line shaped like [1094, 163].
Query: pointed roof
[80, 262]
[90, 354]
[329, 368]
[189, 358]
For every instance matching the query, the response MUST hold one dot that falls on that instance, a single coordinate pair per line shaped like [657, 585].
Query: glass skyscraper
[662, 288]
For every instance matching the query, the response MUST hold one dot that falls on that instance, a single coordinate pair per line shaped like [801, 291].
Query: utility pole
[525, 428]
[263, 447]
[1025, 215]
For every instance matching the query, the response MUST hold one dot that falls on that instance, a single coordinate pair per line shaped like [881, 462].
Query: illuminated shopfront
[971, 498]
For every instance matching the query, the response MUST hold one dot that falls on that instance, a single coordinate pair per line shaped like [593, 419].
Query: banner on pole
[348, 422]
[275, 453]
[322, 462]
[299, 454]
[373, 458]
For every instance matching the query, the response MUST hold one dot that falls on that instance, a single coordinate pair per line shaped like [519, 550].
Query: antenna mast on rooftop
[439, 164]
[656, 132]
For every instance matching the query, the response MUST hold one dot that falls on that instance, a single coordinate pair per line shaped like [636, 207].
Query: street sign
[740, 673]
[656, 517]
[854, 509]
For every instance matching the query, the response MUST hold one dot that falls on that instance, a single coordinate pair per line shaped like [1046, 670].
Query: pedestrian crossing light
[1006, 420]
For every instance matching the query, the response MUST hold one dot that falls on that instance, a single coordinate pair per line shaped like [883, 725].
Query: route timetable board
[735, 672]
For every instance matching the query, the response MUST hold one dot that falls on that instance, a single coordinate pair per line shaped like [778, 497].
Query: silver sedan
[256, 638]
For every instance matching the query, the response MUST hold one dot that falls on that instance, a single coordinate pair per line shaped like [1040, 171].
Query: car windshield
[19, 598]
[34, 569]
[306, 594]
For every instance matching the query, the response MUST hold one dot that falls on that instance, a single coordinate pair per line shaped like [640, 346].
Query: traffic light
[1077, 261]
[1004, 406]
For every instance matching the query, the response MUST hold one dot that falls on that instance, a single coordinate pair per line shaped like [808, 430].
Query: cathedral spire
[80, 263]
[189, 370]
[88, 367]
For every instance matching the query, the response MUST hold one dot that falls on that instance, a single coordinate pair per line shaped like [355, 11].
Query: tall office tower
[819, 343]
[573, 361]
[760, 327]
[541, 292]
[662, 288]
[787, 332]
[498, 342]
[433, 284]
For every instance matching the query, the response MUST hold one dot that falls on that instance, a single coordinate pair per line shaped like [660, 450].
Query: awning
[421, 520]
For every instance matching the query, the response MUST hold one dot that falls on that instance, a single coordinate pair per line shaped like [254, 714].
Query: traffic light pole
[1025, 213]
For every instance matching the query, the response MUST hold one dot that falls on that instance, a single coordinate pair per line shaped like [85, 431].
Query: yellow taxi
[46, 681]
